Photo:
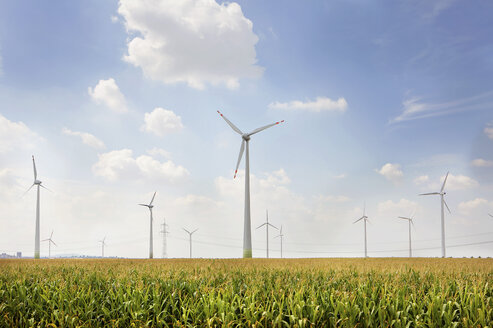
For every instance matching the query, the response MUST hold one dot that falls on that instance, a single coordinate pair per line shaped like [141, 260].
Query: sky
[119, 99]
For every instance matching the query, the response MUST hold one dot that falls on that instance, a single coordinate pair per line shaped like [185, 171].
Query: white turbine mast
[38, 184]
[102, 246]
[365, 219]
[190, 235]
[280, 235]
[164, 231]
[247, 230]
[267, 224]
[150, 206]
[50, 241]
[442, 194]
[410, 222]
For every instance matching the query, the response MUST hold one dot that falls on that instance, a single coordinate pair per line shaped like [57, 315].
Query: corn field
[256, 293]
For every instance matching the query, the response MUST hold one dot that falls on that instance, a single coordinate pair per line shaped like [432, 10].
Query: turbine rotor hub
[245, 137]
[37, 182]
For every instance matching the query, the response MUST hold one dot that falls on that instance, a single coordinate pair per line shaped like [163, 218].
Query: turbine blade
[45, 188]
[27, 190]
[34, 168]
[153, 198]
[361, 218]
[490, 215]
[242, 148]
[53, 243]
[430, 193]
[364, 208]
[443, 186]
[45, 239]
[260, 226]
[194, 231]
[401, 217]
[51, 234]
[264, 127]
[230, 124]
[446, 206]
[273, 226]
[186, 231]
[143, 205]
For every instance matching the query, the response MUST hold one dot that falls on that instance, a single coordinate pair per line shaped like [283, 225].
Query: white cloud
[421, 179]
[159, 152]
[86, 138]
[414, 108]
[488, 130]
[106, 92]
[455, 182]
[162, 121]
[114, 19]
[403, 207]
[467, 207]
[333, 199]
[391, 172]
[319, 105]
[339, 176]
[195, 42]
[14, 135]
[120, 164]
[479, 162]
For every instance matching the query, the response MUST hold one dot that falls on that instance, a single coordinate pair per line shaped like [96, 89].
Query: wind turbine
[280, 235]
[365, 218]
[50, 241]
[410, 220]
[442, 202]
[102, 246]
[190, 235]
[247, 230]
[36, 235]
[164, 231]
[267, 224]
[150, 206]
[490, 215]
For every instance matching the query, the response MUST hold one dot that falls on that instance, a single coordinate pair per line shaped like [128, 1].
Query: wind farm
[131, 112]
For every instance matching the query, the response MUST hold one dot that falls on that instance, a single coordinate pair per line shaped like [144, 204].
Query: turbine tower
[280, 235]
[247, 230]
[365, 218]
[190, 235]
[50, 241]
[36, 235]
[267, 224]
[150, 206]
[442, 202]
[102, 246]
[164, 231]
[410, 221]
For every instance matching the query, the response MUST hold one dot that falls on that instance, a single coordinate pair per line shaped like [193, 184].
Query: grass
[253, 292]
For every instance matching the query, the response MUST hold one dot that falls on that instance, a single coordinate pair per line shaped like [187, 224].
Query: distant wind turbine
[150, 206]
[490, 215]
[36, 236]
[102, 246]
[410, 221]
[267, 224]
[190, 235]
[164, 231]
[365, 218]
[50, 241]
[280, 235]
[442, 202]
[247, 230]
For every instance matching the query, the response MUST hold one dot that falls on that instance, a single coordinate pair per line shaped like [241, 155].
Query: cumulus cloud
[320, 104]
[467, 207]
[107, 93]
[120, 164]
[479, 162]
[403, 207]
[454, 182]
[161, 122]
[488, 130]
[87, 138]
[195, 42]
[159, 152]
[391, 172]
[421, 179]
[14, 135]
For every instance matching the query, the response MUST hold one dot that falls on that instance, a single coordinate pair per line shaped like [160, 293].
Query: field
[259, 292]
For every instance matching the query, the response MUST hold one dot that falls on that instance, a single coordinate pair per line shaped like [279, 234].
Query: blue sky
[117, 99]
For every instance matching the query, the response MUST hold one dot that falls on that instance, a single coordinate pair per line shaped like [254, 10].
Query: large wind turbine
[442, 202]
[50, 241]
[102, 246]
[190, 235]
[410, 221]
[247, 230]
[267, 224]
[150, 206]
[365, 218]
[36, 235]
[280, 235]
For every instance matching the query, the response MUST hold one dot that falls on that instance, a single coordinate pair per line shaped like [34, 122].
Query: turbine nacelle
[245, 136]
[37, 182]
